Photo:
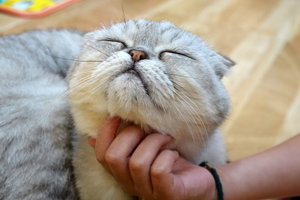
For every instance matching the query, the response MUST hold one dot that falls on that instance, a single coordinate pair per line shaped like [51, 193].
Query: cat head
[151, 73]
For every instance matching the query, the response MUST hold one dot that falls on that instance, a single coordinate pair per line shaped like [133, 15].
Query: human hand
[143, 170]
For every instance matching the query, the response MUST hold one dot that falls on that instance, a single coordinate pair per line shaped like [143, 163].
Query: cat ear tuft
[223, 65]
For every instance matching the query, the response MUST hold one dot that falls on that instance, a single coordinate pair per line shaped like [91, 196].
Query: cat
[35, 123]
[154, 75]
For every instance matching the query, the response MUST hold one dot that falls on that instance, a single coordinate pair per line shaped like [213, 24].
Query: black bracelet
[214, 173]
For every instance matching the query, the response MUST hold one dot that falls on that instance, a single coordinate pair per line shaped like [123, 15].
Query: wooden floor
[262, 37]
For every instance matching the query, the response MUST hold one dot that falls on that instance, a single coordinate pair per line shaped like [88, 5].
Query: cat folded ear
[227, 61]
[223, 66]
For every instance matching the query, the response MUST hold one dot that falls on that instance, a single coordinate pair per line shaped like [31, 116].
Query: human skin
[143, 170]
[269, 174]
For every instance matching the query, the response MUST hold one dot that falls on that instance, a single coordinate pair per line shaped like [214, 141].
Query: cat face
[150, 73]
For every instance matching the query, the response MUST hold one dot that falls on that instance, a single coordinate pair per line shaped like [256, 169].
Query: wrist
[209, 190]
[216, 191]
[233, 184]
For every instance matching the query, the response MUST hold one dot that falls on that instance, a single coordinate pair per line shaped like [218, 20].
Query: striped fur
[35, 124]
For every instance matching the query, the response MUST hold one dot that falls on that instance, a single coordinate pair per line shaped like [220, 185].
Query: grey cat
[152, 74]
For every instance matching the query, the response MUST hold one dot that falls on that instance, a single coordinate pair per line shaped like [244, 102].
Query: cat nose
[137, 55]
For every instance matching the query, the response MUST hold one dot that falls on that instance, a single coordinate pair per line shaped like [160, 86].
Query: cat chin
[127, 90]
[90, 112]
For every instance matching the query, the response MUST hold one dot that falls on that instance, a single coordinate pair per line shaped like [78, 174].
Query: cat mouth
[133, 72]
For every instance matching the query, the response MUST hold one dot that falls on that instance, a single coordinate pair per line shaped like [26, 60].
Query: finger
[117, 156]
[105, 137]
[161, 172]
[142, 159]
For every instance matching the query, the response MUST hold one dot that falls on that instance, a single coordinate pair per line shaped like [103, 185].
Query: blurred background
[262, 37]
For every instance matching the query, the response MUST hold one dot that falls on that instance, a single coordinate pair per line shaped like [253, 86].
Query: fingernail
[92, 141]
[169, 137]
[112, 118]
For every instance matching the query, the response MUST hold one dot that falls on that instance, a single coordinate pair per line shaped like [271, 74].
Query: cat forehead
[145, 32]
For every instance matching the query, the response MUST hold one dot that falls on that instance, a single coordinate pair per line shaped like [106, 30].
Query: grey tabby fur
[176, 90]
[35, 136]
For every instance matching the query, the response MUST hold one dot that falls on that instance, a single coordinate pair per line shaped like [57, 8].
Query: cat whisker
[182, 89]
[79, 85]
[99, 51]
[192, 121]
[75, 88]
[77, 60]
[180, 75]
[188, 120]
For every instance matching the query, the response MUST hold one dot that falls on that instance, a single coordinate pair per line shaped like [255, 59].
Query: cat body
[174, 89]
[35, 123]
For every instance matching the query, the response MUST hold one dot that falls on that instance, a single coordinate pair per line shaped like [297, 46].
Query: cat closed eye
[124, 46]
[175, 53]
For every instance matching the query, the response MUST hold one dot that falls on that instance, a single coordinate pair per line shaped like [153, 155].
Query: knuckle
[100, 158]
[157, 172]
[136, 165]
[112, 158]
[169, 153]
